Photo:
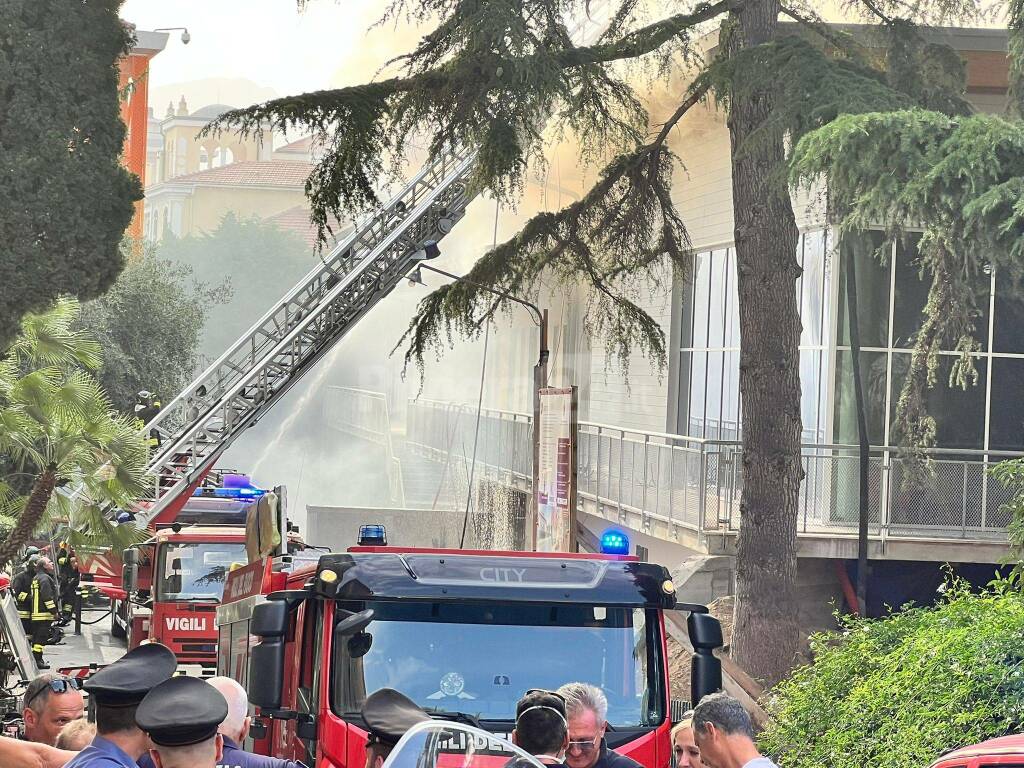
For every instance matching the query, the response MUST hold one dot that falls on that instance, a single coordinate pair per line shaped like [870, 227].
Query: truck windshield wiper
[455, 717]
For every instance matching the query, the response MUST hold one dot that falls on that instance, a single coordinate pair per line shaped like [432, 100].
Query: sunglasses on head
[556, 694]
[60, 685]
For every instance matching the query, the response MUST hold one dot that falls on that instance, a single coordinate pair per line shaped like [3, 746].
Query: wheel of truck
[115, 628]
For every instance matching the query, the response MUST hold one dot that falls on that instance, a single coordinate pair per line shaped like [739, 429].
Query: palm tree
[58, 431]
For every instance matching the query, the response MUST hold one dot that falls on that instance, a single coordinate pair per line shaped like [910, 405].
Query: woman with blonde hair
[685, 753]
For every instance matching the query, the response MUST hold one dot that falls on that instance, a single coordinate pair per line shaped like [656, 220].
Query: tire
[116, 630]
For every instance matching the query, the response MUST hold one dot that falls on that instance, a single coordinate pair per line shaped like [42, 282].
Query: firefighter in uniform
[67, 571]
[43, 607]
[21, 588]
[146, 409]
[116, 692]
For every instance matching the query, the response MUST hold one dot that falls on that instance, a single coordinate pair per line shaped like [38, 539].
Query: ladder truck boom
[236, 390]
[242, 384]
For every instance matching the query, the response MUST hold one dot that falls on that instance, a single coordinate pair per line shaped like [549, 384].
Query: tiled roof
[261, 173]
[300, 146]
[296, 220]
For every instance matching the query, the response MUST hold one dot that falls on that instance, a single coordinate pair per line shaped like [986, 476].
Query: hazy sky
[268, 42]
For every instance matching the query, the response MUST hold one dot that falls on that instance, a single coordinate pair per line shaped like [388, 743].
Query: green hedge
[898, 692]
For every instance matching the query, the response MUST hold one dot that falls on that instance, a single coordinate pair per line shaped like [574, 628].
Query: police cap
[181, 711]
[125, 682]
[388, 714]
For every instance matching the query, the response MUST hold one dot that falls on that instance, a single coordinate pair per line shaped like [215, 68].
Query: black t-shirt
[612, 759]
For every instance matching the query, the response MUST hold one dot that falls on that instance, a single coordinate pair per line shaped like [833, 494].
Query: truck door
[301, 732]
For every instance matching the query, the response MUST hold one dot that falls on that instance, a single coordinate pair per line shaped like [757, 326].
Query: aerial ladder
[237, 389]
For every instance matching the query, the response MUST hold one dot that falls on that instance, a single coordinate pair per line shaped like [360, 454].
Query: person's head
[587, 709]
[51, 701]
[181, 717]
[236, 724]
[684, 748]
[76, 735]
[387, 714]
[723, 731]
[204, 754]
[541, 724]
[44, 564]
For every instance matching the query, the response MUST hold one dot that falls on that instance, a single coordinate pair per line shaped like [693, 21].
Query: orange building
[134, 84]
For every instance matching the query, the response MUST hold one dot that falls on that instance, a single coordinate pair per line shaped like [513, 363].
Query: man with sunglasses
[51, 701]
[587, 708]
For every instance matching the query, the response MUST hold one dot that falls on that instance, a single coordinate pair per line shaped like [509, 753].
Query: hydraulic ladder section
[202, 421]
[239, 387]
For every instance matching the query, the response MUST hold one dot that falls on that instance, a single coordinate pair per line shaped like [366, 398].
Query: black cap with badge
[125, 682]
[388, 714]
[181, 711]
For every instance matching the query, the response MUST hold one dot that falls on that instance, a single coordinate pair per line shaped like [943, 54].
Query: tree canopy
[65, 198]
[150, 325]
[492, 73]
[58, 430]
[244, 266]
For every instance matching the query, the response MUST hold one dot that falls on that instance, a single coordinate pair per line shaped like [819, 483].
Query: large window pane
[810, 386]
[701, 285]
[713, 396]
[1008, 328]
[731, 396]
[912, 295]
[814, 289]
[959, 414]
[872, 291]
[873, 376]
[1006, 424]
[717, 309]
[695, 410]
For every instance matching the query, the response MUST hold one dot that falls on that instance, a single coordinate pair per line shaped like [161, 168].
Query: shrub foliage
[900, 691]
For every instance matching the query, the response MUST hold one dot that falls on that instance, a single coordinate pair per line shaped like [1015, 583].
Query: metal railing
[696, 484]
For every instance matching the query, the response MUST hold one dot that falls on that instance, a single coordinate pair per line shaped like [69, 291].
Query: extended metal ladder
[203, 420]
[243, 383]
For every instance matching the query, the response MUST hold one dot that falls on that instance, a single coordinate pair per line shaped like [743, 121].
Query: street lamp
[540, 370]
[185, 36]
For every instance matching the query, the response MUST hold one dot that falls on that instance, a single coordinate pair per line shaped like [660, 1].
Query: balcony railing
[696, 484]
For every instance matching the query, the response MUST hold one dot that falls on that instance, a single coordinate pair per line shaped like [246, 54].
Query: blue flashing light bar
[373, 536]
[249, 492]
[614, 542]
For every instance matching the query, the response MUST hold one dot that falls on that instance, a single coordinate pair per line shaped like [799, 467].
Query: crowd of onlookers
[143, 716]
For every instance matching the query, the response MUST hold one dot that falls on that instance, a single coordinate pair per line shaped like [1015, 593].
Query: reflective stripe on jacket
[44, 599]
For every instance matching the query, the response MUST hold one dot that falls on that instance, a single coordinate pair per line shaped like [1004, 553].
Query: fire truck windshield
[479, 659]
[196, 571]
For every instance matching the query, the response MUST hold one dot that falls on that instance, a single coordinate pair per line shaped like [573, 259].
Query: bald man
[235, 728]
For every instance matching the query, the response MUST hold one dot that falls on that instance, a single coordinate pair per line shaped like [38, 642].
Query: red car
[1004, 751]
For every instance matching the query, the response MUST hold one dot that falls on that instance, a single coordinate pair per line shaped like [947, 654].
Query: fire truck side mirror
[705, 633]
[266, 665]
[130, 571]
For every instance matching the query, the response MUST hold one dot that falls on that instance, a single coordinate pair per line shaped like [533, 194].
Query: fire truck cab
[463, 633]
[174, 581]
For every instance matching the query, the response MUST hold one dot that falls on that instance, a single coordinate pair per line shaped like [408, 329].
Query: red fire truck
[463, 633]
[173, 583]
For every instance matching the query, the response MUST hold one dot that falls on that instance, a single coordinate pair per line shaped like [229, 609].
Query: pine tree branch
[823, 30]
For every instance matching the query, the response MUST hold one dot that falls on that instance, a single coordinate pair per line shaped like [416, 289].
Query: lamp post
[185, 36]
[540, 370]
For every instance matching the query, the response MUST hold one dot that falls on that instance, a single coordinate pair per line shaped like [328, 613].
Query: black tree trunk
[766, 636]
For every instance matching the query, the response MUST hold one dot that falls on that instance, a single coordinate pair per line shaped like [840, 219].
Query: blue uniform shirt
[102, 753]
[236, 757]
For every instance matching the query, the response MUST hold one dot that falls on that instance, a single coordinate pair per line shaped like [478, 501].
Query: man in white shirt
[724, 733]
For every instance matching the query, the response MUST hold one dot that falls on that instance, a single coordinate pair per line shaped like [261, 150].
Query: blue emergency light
[373, 536]
[614, 542]
[249, 492]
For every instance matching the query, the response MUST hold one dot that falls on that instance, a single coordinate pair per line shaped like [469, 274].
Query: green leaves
[56, 418]
[899, 691]
[65, 198]
[957, 178]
